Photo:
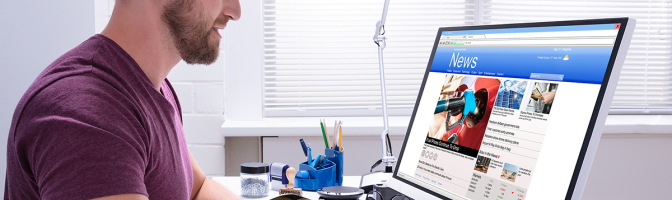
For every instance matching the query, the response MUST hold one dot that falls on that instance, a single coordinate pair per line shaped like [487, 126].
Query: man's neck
[139, 30]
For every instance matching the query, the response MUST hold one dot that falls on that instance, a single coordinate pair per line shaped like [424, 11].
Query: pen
[317, 159]
[324, 135]
[335, 135]
[310, 156]
[304, 147]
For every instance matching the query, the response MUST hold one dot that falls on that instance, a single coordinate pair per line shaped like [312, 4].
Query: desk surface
[233, 183]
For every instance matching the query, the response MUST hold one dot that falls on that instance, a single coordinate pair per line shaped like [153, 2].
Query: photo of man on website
[541, 97]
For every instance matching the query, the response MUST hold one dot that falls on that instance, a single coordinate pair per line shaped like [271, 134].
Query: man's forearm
[199, 177]
[213, 190]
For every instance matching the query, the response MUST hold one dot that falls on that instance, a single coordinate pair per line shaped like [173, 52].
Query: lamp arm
[379, 39]
[380, 27]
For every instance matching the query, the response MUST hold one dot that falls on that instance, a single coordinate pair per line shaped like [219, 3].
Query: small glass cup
[255, 180]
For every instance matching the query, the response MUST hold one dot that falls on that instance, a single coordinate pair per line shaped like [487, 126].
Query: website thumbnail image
[539, 99]
[485, 130]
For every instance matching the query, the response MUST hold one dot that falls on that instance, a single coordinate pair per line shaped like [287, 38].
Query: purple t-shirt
[93, 125]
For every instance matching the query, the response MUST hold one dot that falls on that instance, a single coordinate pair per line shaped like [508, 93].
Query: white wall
[32, 35]
[201, 93]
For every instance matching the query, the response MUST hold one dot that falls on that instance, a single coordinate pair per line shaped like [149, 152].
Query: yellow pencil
[340, 139]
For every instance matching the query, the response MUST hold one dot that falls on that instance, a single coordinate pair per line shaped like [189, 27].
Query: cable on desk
[379, 194]
[389, 146]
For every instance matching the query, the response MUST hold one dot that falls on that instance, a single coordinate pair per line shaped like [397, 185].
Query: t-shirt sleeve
[81, 145]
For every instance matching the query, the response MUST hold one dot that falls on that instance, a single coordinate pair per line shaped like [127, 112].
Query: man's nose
[232, 9]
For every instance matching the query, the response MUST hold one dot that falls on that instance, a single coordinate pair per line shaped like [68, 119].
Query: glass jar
[255, 180]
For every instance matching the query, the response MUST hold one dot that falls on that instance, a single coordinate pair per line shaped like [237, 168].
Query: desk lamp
[387, 158]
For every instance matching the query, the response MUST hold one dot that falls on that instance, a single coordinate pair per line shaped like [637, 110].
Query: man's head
[194, 24]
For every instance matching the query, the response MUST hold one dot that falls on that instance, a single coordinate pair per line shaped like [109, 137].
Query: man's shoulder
[98, 54]
[83, 97]
[78, 61]
[75, 85]
[83, 88]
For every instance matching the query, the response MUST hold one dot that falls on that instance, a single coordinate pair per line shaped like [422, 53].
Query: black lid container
[255, 180]
[254, 168]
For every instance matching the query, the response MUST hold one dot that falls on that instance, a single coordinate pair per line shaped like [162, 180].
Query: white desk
[233, 183]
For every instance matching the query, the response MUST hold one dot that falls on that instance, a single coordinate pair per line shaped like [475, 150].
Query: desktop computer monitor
[512, 111]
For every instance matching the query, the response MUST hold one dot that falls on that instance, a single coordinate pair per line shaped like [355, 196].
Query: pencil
[324, 135]
[326, 132]
[340, 139]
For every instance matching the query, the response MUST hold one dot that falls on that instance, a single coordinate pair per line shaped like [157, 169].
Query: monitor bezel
[596, 110]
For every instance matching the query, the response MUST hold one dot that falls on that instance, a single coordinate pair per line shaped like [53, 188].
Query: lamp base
[378, 178]
[386, 193]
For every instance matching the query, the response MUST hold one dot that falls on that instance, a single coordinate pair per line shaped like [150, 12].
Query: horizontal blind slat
[302, 71]
[646, 78]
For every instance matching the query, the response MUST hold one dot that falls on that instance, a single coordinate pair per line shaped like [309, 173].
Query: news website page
[504, 112]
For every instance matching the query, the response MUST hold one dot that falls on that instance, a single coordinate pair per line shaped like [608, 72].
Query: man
[103, 122]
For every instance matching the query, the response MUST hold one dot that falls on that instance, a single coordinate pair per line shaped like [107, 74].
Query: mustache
[221, 21]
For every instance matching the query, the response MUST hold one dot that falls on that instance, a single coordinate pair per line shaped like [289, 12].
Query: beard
[190, 30]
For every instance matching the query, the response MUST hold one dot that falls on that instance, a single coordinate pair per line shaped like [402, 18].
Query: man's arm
[199, 177]
[213, 190]
[547, 97]
[205, 188]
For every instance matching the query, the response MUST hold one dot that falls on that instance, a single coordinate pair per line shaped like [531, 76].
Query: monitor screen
[503, 112]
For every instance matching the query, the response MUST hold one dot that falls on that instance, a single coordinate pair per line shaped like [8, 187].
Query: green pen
[324, 135]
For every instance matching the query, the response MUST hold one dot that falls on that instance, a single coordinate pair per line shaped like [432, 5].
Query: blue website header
[568, 64]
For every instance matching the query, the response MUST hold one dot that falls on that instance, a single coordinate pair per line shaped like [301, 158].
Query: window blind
[645, 85]
[320, 58]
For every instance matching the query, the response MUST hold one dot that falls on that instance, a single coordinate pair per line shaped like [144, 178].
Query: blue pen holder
[328, 174]
[337, 158]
